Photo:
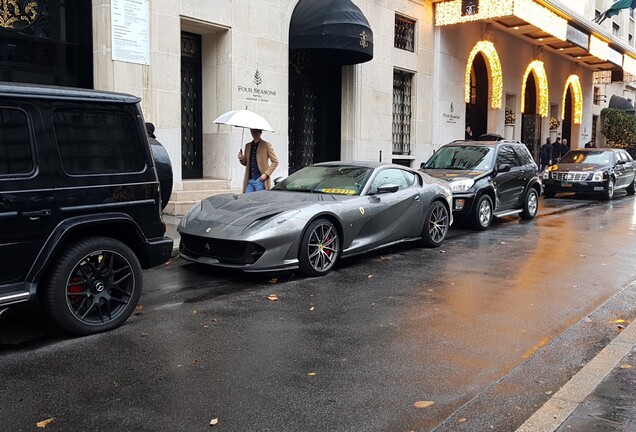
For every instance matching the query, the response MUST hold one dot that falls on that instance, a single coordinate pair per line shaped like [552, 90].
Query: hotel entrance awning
[337, 26]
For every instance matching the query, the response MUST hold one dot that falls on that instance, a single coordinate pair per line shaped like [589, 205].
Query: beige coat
[264, 154]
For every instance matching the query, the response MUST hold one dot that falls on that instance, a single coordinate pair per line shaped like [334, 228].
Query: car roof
[483, 143]
[612, 149]
[36, 91]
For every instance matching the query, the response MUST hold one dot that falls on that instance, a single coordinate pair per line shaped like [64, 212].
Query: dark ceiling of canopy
[336, 27]
[621, 103]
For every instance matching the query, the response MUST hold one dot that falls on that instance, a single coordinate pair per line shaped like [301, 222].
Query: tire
[530, 204]
[319, 248]
[94, 286]
[436, 225]
[482, 218]
[608, 193]
[549, 194]
[631, 189]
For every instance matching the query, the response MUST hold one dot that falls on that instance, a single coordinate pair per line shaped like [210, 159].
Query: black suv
[488, 178]
[80, 204]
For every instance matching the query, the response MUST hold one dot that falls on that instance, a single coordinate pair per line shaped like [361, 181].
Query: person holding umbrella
[258, 169]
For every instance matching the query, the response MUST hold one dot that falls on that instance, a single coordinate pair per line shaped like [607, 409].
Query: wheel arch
[331, 217]
[120, 227]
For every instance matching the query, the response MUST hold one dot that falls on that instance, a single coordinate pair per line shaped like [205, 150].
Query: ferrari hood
[230, 211]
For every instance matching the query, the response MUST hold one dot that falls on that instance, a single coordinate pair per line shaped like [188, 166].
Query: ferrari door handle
[417, 197]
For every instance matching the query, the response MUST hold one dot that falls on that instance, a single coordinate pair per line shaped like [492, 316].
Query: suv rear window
[16, 156]
[98, 142]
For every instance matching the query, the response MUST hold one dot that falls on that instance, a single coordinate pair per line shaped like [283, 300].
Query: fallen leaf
[45, 423]
[311, 374]
[618, 321]
[214, 422]
[603, 264]
[370, 276]
[272, 297]
[195, 362]
[626, 366]
[167, 263]
[311, 308]
[583, 256]
[194, 312]
[461, 420]
[423, 404]
[587, 319]
[273, 280]
[383, 258]
[620, 327]
[144, 334]
[548, 392]
[503, 242]
[139, 309]
[442, 251]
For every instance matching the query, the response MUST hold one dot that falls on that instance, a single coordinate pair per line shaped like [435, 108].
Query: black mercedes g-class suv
[80, 204]
[488, 178]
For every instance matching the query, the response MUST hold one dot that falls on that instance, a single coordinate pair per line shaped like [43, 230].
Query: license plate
[566, 184]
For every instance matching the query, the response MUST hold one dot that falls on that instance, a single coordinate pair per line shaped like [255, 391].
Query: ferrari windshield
[328, 179]
[464, 157]
[588, 157]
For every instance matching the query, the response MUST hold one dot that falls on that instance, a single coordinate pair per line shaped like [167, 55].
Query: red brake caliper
[76, 288]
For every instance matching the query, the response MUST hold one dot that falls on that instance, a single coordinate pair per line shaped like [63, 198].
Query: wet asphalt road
[487, 327]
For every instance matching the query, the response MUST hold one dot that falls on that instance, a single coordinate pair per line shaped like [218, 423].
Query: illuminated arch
[536, 67]
[493, 65]
[577, 95]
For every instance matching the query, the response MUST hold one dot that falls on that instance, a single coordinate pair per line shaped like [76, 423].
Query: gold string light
[450, 12]
[599, 48]
[536, 67]
[629, 64]
[495, 75]
[577, 95]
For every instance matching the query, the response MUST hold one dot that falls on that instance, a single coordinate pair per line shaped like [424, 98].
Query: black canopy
[621, 103]
[337, 26]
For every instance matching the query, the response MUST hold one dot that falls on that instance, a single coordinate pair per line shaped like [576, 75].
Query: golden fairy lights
[495, 76]
[629, 64]
[599, 48]
[450, 12]
[577, 95]
[536, 67]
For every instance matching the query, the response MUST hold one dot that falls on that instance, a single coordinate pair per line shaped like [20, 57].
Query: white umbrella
[245, 119]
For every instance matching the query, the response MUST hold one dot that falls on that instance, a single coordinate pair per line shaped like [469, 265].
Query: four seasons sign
[16, 15]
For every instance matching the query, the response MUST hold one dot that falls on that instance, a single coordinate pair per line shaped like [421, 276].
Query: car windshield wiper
[301, 190]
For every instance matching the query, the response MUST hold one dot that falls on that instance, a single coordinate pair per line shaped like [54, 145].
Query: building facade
[336, 79]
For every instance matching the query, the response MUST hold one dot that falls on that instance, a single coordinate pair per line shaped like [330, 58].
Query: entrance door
[531, 133]
[314, 109]
[477, 107]
[191, 107]
[566, 129]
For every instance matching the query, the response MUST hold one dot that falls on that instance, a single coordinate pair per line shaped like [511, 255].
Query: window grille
[404, 33]
[402, 112]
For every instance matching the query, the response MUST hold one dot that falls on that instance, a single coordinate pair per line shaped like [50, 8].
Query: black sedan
[599, 171]
[317, 215]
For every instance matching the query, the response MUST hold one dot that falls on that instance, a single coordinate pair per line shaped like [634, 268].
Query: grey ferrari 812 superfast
[317, 215]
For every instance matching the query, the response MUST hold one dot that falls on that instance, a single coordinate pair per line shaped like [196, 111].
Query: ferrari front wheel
[436, 225]
[319, 248]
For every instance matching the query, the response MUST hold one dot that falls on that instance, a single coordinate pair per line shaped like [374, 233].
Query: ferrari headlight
[194, 210]
[461, 185]
[546, 175]
[272, 221]
[598, 176]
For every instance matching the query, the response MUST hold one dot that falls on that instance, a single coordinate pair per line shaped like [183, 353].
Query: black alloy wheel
[608, 193]
[483, 215]
[319, 248]
[530, 205]
[94, 287]
[436, 225]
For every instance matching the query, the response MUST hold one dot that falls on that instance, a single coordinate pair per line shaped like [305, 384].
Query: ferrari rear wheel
[319, 248]
[436, 225]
